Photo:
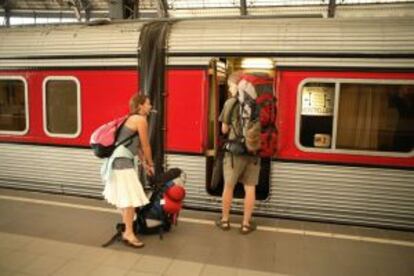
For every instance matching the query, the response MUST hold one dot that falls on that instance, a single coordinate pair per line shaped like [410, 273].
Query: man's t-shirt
[231, 105]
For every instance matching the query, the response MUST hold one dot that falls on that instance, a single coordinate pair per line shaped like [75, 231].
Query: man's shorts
[243, 168]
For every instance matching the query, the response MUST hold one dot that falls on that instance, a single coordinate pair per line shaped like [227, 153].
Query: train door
[219, 72]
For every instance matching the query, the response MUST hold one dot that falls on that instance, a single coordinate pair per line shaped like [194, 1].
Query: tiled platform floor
[39, 237]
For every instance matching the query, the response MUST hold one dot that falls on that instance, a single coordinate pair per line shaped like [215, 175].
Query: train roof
[201, 39]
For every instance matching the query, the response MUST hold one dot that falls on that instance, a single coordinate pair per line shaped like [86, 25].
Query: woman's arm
[142, 126]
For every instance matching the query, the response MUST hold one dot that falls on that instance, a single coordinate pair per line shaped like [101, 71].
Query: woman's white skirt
[124, 189]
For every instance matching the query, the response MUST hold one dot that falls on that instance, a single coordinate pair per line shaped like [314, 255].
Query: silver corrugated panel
[70, 40]
[66, 170]
[311, 191]
[321, 192]
[346, 36]
[340, 193]
[194, 168]
[386, 36]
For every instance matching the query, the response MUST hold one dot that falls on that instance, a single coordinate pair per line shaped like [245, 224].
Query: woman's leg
[227, 198]
[128, 218]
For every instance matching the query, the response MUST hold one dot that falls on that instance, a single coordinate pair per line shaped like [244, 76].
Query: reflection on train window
[376, 117]
[13, 106]
[368, 117]
[61, 107]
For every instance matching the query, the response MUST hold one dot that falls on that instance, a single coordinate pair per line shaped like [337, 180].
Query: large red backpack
[265, 110]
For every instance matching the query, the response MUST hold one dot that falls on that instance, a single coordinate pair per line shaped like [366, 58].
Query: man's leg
[227, 198]
[249, 200]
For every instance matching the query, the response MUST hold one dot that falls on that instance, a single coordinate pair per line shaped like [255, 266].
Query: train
[344, 90]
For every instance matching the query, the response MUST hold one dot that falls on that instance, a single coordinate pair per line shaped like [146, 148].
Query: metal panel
[204, 61]
[70, 40]
[344, 36]
[73, 62]
[341, 193]
[273, 36]
[370, 196]
[59, 169]
[344, 194]
[99, 62]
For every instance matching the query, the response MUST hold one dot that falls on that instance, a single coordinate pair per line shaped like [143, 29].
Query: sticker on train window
[61, 107]
[375, 117]
[14, 112]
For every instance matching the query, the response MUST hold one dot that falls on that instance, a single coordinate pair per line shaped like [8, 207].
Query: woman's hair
[135, 102]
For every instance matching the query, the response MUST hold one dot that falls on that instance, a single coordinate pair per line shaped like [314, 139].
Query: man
[244, 168]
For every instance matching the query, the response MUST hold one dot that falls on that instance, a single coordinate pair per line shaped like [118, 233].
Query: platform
[47, 234]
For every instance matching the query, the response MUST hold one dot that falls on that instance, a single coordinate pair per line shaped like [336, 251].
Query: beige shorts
[245, 169]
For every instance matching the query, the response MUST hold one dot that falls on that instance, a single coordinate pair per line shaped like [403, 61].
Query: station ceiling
[180, 8]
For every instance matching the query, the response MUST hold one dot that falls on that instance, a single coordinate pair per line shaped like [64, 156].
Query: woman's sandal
[223, 224]
[133, 243]
[246, 229]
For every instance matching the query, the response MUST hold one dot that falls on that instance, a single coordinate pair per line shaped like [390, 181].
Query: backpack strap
[238, 135]
[118, 131]
[232, 126]
[120, 228]
[129, 138]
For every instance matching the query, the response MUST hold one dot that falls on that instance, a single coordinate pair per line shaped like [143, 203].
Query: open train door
[263, 79]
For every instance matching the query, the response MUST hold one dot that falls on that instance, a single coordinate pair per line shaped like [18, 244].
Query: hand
[149, 170]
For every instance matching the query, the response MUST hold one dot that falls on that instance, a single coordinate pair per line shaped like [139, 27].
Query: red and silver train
[345, 109]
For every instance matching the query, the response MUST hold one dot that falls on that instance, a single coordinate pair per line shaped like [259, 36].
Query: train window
[13, 106]
[376, 117]
[317, 114]
[346, 115]
[61, 107]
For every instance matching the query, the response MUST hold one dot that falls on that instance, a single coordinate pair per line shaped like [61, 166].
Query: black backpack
[151, 219]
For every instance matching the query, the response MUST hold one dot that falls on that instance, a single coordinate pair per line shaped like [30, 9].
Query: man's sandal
[246, 229]
[223, 224]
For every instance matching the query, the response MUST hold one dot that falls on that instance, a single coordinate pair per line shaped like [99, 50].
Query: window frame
[26, 105]
[79, 112]
[337, 82]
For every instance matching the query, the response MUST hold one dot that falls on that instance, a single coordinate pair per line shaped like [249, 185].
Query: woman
[122, 186]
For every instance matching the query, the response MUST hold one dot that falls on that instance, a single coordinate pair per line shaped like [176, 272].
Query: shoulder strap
[118, 131]
[236, 103]
[126, 139]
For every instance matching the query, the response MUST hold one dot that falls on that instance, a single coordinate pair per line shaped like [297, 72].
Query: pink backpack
[103, 139]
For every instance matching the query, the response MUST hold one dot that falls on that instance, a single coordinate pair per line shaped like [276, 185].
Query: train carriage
[345, 109]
